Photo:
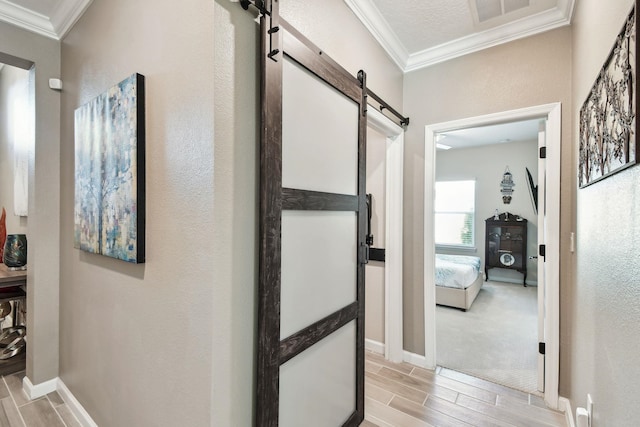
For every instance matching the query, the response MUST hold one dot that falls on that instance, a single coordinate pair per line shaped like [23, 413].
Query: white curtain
[23, 136]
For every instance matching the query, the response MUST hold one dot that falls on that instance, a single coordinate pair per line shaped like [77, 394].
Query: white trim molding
[81, 414]
[393, 312]
[564, 405]
[38, 390]
[414, 359]
[371, 17]
[26, 19]
[55, 26]
[374, 346]
[56, 384]
[67, 14]
[530, 26]
[552, 114]
[369, 14]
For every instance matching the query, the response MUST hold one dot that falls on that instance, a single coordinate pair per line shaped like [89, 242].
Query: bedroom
[470, 166]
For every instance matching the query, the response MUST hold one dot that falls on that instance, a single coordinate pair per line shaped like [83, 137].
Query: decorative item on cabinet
[15, 252]
[3, 232]
[506, 244]
[506, 186]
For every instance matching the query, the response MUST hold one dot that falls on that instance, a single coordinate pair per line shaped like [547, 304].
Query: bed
[458, 280]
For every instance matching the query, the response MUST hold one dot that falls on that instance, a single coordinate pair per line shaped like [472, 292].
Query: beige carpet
[496, 339]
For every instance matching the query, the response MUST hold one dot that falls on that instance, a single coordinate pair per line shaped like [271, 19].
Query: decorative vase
[15, 251]
[3, 231]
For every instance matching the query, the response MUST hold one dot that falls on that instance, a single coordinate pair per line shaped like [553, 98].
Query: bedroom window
[455, 213]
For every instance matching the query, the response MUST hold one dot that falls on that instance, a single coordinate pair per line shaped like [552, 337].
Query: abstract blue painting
[109, 173]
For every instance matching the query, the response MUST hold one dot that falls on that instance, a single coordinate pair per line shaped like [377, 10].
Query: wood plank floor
[16, 410]
[403, 395]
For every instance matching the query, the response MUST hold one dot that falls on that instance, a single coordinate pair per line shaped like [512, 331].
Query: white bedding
[456, 271]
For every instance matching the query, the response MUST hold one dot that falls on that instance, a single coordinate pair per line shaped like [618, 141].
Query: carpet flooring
[496, 339]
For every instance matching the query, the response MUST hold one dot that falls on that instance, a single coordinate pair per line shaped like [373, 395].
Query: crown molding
[378, 26]
[26, 19]
[567, 7]
[66, 14]
[373, 20]
[532, 25]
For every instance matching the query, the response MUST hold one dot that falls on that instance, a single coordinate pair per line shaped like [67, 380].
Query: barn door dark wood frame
[273, 351]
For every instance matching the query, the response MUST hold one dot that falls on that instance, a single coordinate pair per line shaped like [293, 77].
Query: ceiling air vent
[489, 9]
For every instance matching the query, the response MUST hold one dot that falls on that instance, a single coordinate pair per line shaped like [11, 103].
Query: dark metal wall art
[608, 126]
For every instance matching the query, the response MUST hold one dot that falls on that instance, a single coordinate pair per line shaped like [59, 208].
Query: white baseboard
[81, 414]
[565, 405]
[415, 359]
[56, 384]
[38, 390]
[375, 346]
[378, 347]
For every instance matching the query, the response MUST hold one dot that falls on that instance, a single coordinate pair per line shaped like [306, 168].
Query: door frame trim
[394, 167]
[552, 113]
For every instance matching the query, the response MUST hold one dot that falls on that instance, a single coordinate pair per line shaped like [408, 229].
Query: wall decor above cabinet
[506, 186]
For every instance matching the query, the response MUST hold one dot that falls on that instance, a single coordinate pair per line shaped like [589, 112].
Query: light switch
[573, 242]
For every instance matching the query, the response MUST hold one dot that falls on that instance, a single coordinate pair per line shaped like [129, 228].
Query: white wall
[486, 165]
[603, 319]
[12, 80]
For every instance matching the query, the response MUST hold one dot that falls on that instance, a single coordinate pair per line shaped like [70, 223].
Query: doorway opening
[548, 270]
[383, 320]
[17, 141]
[486, 268]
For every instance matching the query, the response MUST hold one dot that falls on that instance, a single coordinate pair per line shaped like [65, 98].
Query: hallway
[403, 395]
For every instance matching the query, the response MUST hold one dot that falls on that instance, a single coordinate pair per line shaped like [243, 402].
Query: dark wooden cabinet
[506, 244]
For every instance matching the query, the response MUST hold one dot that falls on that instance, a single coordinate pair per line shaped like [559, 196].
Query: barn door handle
[369, 213]
[364, 253]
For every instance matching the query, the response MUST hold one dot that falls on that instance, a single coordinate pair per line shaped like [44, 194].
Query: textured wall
[236, 86]
[524, 73]
[26, 50]
[136, 340]
[332, 26]
[604, 319]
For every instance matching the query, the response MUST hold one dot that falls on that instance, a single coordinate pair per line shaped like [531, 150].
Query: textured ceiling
[415, 33]
[495, 134]
[419, 33]
[421, 24]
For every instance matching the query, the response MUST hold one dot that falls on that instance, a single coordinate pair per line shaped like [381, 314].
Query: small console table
[9, 278]
[12, 340]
